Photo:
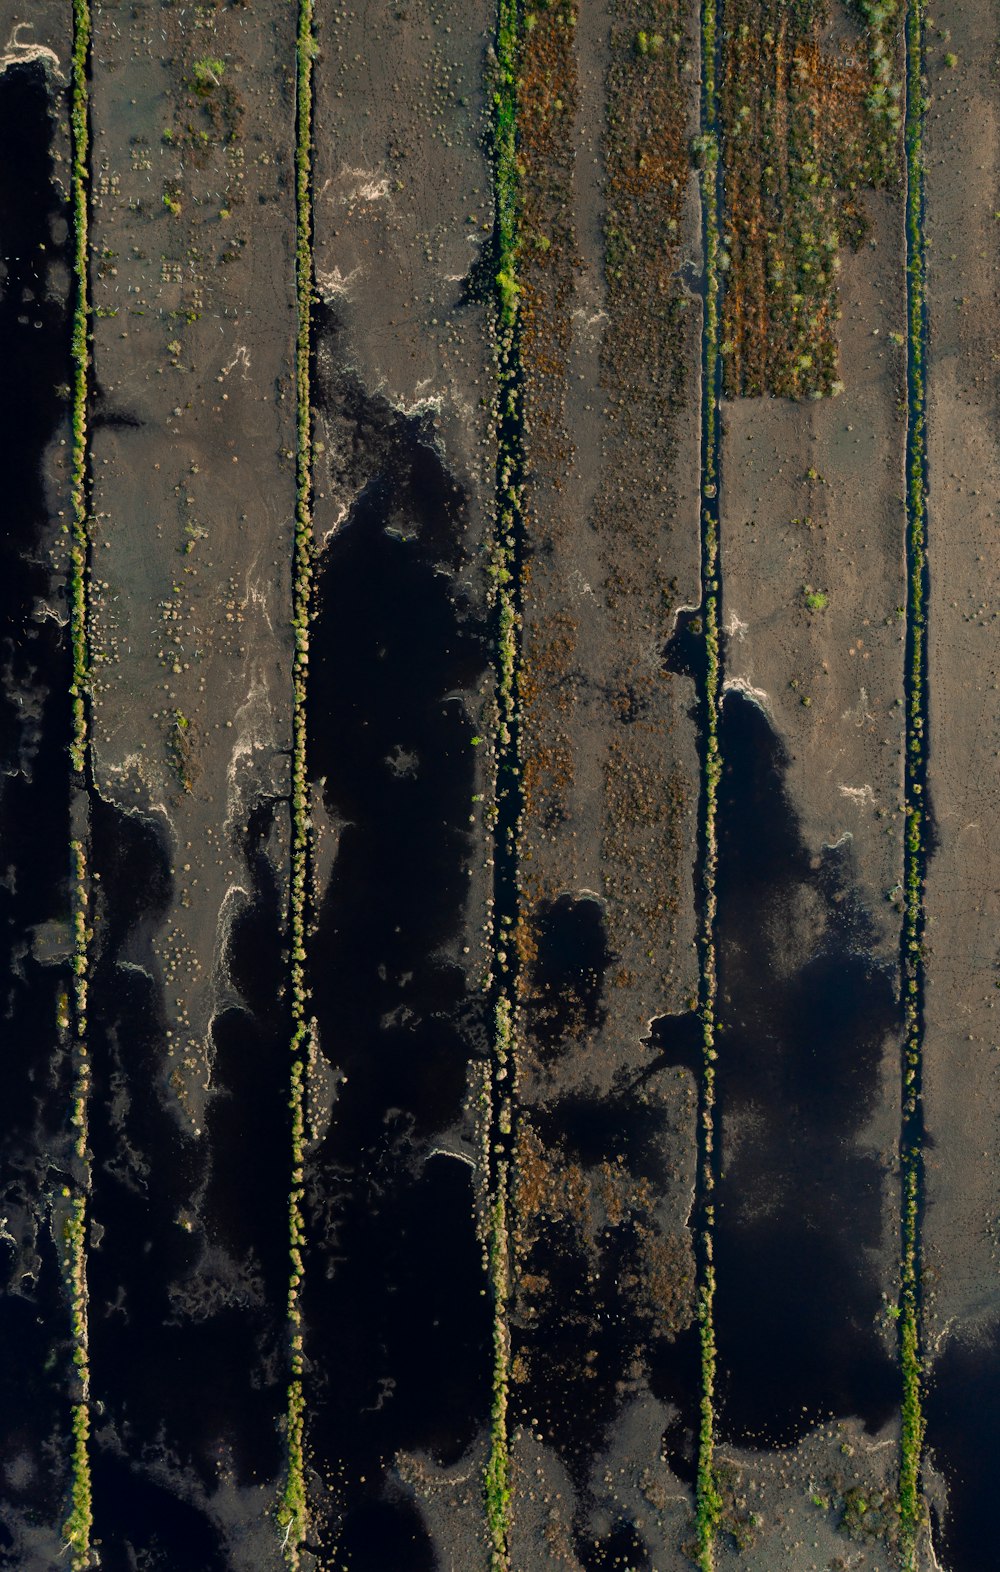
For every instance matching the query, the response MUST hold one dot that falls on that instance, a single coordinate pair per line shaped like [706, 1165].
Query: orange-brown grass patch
[643, 844]
[601, 1205]
[803, 132]
[649, 342]
[547, 263]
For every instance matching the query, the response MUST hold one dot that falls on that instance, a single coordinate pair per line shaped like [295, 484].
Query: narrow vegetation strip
[78, 1526]
[708, 1501]
[292, 1512]
[80, 128]
[505, 606]
[916, 766]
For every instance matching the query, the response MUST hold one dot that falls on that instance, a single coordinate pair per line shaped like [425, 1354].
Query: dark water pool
[806, 1017]
[962, 1407]
[188, 1282]
[35, 719]
[398, 1322]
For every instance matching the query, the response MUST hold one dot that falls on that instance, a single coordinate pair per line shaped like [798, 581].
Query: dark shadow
[806, 1017]
[153, 1528]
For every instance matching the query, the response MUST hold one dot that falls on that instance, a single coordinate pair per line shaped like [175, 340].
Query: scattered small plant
[649, 44]
[207, 74]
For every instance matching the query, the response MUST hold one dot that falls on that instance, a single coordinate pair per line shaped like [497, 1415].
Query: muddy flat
[499, 736]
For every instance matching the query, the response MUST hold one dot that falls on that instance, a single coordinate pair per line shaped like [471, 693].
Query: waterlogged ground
[566, 1290]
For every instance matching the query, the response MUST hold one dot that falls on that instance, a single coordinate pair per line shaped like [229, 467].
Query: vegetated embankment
[79, 1523]
[918, 809]
[293, 1513]
[42, 1367]
[708, 667]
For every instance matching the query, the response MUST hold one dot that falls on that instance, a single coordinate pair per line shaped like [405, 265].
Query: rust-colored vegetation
[807, 124]
[547, 266]
[547, 260]
[648, 171]
[606, 1216]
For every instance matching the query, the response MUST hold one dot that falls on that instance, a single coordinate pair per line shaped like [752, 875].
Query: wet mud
[190, 443]
[806, 1018]
[586, 1260]
[186, 1259]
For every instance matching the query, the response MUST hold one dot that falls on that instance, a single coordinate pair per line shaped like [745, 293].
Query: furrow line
[293, 1513]
[708, 1501]
[914, 790]
[505, 595]
[78, 1526]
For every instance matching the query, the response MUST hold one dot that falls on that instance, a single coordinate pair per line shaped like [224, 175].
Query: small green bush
[207, 74]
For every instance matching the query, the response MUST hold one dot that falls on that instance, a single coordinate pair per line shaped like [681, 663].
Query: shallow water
[192, 1253]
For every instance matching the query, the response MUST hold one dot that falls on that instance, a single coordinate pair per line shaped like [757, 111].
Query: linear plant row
[911, 1446]
[503, 573]
[79, 534]
[292, 1511]
[708, 1503]
[77, 1529]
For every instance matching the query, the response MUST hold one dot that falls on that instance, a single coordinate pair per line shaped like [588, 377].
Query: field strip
[77, 1529]
[915, 777]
